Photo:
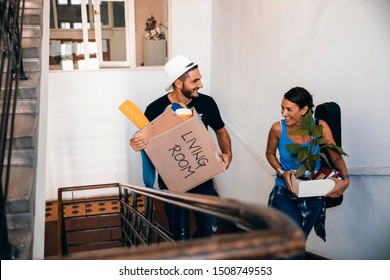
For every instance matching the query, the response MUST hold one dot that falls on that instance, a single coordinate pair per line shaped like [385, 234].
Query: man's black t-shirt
[207, 110]
[204, 105]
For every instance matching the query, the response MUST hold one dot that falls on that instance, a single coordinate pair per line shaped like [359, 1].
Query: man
[184, 82]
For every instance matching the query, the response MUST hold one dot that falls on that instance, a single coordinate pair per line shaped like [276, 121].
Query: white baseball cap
[176, 67]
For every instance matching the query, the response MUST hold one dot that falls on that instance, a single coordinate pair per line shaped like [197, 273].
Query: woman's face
[291, 113]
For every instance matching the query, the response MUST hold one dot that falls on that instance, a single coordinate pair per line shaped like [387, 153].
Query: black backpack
[330, 112]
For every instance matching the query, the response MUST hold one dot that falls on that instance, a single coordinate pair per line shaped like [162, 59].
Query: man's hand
[225, 145]
[227, 158]
[138, 143]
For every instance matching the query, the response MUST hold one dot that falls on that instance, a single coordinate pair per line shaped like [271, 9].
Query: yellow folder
[134, 114]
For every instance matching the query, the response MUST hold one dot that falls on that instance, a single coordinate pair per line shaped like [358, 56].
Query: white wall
[88, 137]
[339, 51]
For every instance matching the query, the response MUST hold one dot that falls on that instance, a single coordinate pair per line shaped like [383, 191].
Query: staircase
[21, 194]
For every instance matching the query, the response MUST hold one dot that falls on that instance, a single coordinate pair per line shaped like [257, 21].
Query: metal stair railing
[11, 24]
[257, 232]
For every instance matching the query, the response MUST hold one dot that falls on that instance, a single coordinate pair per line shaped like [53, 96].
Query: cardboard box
[312, 187]
[182, 151]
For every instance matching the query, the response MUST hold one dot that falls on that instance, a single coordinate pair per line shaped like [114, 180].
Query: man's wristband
[344, 176]
[280, 172]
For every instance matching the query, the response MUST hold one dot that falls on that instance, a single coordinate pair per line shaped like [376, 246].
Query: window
[96, 34]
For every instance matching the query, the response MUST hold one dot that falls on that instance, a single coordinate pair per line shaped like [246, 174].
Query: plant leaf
[308, 122]
[300, 132]
[325, 159]
[337, 149]
[301, 171]
[303, 154]
[319, 141]
[314, 157]
[294, 148]
[318, 131]
[311, 165]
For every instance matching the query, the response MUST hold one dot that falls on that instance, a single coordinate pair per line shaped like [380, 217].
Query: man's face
[192, 84]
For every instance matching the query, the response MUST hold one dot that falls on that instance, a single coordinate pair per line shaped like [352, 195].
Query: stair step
[32, 16]
[31, 31]
[30, 47]
[21, 157]
[33, 4]
[25, 125]
[19, 221]
[27, 89]
[29, 64]
[22, 240]
[20, 189]
[27, 106]
[24, 106]
[24, 130]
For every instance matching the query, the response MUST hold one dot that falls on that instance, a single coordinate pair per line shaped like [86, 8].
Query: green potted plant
[307, 154]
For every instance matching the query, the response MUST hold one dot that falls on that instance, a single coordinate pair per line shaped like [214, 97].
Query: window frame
[128, 5]
[89, 7]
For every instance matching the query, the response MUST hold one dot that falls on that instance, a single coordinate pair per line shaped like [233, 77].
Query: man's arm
[225, 145]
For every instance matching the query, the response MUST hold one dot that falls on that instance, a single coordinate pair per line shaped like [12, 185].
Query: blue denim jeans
[179, 219]
[304, 211]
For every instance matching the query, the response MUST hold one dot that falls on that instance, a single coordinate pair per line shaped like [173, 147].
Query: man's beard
[190, 94]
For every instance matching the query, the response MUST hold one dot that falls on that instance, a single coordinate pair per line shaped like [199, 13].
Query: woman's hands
[287, 179]
[338, 190]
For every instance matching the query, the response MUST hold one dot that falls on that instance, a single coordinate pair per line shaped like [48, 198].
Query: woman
[310, 211]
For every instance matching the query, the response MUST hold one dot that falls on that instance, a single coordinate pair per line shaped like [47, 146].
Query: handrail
[264, 233]
[63, 201]
[11, 24]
